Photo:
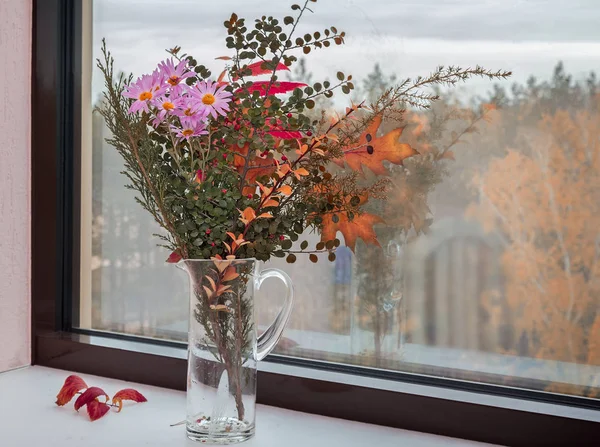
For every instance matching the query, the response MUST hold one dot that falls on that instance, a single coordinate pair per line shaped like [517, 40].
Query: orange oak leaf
[371, 150]
[72, 385]
[127, 394]
[359, 227]
[96, 410]
[88, 396]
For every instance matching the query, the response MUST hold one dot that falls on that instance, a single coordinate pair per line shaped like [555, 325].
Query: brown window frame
[413, 400]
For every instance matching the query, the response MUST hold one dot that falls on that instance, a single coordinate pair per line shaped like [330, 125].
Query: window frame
[293, 383]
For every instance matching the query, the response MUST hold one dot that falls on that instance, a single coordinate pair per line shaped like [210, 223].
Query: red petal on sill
[90, 395]
[127, 394]
[96, 410]
[72, 385]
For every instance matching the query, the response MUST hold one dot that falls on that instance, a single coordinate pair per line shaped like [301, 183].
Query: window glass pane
[489, 267]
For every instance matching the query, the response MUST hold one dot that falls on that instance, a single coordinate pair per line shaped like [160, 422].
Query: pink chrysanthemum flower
[165, 105]
[190, 128]
[189, 107]
[175, 75]
[143, 91]
[212, 99]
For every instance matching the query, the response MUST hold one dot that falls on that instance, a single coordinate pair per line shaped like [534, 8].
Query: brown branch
[466, 130]
[169, 225]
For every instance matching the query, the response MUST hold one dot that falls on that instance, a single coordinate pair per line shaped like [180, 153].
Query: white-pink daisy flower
[190, 128]
[175, 75]
[165, 105]
[212, 99]
[144, 90]
[189, 107]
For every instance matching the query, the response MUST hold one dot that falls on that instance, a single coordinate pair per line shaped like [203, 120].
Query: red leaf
[174, 258]
[127, 394]
[96, 410]
[90, 395]
[257, 69]
[72, 385]
[286, 134]
[277, 87]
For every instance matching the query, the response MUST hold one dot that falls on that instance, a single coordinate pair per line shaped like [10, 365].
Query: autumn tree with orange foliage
[543, 197]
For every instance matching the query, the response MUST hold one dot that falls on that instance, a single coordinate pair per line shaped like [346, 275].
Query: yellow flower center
[187, 132]
[188, 112]
[145, 96]
[208, 99]
[174, 80]
[168, 105]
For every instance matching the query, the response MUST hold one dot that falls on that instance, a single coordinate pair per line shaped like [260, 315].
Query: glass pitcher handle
[268, 339]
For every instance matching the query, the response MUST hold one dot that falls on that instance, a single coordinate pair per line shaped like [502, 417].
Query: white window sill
[29, 417]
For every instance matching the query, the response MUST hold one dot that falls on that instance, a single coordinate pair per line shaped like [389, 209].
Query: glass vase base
[228, 431]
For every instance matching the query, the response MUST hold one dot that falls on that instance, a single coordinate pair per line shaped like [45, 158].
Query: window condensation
[488, 269]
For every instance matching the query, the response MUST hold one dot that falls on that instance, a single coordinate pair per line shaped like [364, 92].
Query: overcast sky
[407, 37]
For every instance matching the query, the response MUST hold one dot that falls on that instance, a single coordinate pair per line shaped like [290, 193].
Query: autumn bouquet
[238, 166]
[242, 165]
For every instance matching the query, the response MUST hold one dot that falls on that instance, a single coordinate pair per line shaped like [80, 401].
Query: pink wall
[15, 129]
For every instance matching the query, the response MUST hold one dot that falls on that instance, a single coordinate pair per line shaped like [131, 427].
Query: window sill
[411, 402]
[29, 417]
[459, 391]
